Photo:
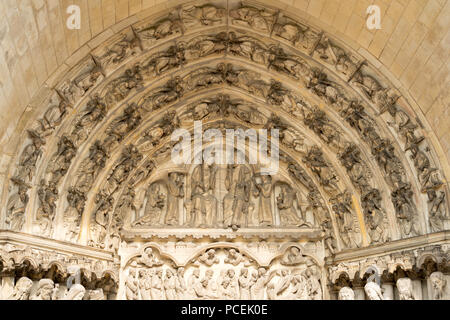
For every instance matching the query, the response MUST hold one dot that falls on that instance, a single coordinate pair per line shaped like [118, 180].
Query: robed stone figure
[175, 190]
[238, 183]
[263, 184]
[203, 211]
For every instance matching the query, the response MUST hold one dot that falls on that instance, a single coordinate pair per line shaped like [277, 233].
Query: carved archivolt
[355, 167]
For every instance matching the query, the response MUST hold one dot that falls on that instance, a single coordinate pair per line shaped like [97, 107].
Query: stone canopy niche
[95, 208]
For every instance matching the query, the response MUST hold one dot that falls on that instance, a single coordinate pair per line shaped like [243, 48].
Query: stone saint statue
[405, 289]
[263, 184]
[438, 283]
[285, 204]
[76, 292]
[175, 188]
[157, 288]
[373, 291]
[131, 285]
[153, 208]
[203, 211]
[346, 293]
[22, 289]
[238, 183]
[45, 290]
[245, 284]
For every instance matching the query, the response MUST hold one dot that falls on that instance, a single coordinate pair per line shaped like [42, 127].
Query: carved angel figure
[234, 257]
[120, 51]
[162, 29]
[293, 256]
[149, 259]
[209, 257]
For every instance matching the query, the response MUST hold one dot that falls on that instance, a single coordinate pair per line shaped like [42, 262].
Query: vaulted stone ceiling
[90, 135]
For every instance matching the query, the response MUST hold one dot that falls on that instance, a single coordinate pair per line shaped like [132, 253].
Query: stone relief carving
[405, 290]
[126, 46]
[287, 211]
[100, 220]
[439, 285]
[121, 126]
[44, 291]
[342, 61]
[76, 292]
[374, 216]
[304, 39]
[15, 215]
[81, 83]
[323, 180]
[349, 232]
[94, 112]
[300, 36]
[327, 180]
[47, 289]
[203, 203]
[212, 277]
[119, 88]
[164, 28]
[254, 18]
[32, 152]
[373, 291]
[346, 293]
[207, 15]
[22, 289]
[72, 217]
[48, 194]
[91, 166]
[156, 201]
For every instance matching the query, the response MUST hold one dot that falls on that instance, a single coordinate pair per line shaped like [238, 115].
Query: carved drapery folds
[221, 196]
[222, 273]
